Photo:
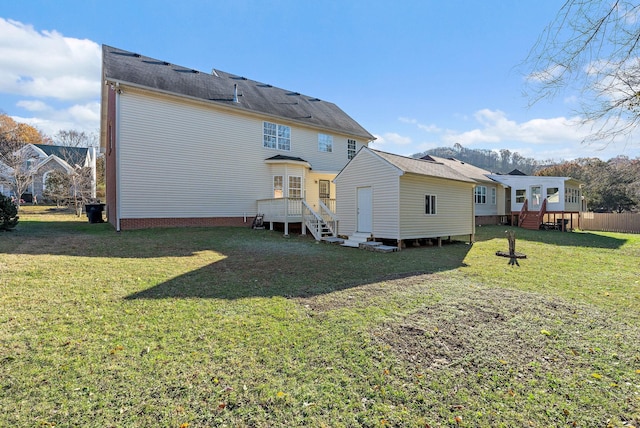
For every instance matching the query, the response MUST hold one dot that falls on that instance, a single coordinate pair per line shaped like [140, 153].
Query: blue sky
[416, 74]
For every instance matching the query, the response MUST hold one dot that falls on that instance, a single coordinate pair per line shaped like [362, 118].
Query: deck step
[356, 239]
[377, 247]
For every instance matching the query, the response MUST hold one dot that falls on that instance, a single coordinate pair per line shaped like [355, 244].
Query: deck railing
[281, 209]
[296, 210]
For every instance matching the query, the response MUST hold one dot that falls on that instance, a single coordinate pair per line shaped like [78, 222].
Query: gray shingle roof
[71, 155]
[422, 167]
[218, 88]
[465, 168]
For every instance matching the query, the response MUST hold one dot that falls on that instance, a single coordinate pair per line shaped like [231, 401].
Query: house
[40, 160]
[542, 202]
[388, 197]
[528, 201]
[490, 196]
[189, 148]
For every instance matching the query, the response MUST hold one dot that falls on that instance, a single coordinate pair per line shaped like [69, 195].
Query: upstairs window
[276, 136]
[480, 194]
[351, 149]
[325, 143]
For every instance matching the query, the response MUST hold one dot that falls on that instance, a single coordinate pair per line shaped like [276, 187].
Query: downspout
[92, 164]
[116, 142]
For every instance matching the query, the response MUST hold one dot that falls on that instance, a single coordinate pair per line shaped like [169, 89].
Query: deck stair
[532, 220]
[356, 239]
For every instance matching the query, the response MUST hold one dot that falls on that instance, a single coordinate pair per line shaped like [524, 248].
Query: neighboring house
[539, 201]
[42, 159]
[382, 196]
[490, 196]
[187, 148]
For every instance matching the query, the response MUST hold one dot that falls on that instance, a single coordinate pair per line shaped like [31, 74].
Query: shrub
[8, 213]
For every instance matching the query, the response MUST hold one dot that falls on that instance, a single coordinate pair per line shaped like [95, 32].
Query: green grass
[233, 327]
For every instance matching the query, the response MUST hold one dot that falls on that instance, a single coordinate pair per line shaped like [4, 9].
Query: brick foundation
[147, 223]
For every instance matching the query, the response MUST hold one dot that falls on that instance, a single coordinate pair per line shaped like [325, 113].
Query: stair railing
[312, 221]
[523, 212]
[542, 212]
[329, 218]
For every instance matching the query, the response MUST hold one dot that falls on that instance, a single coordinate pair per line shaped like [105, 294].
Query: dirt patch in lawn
[487, 328]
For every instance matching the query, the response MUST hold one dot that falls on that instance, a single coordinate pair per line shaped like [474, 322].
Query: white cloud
[497, 129]
[85, 117]
[46, 64]
[391, 138]
[555, 138]
[33, 105]
[428, 128]
[58, 78]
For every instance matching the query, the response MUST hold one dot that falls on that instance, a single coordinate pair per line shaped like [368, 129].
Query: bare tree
[592, 47]
[16, 161]
[74, 138]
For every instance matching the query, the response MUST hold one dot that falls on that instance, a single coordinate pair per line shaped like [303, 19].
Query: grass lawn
[234, 327]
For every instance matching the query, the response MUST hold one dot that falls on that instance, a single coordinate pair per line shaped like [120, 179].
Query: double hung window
[276, 136]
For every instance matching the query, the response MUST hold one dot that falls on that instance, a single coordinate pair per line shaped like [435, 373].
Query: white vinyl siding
[369, 170]
[166, 166]
[454, 207]
[180, 158]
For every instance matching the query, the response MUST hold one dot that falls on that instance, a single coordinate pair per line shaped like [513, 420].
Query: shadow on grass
[552, 237]
[325, 269]
[249, 263]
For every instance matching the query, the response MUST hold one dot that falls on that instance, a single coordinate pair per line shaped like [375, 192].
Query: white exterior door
[365, 208]
[536, 198]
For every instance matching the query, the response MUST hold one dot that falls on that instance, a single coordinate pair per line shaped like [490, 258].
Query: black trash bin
[94, 212]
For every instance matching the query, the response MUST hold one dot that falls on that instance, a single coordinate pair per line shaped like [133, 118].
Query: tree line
[609, 186]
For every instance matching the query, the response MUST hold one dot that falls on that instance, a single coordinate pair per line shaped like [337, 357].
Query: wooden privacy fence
[611, 222]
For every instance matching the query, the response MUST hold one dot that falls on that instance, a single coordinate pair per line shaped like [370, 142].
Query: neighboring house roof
[516, 172]
[510, 179]
[468, 170]
[120, 66]
[71, 155]
[421, 166]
